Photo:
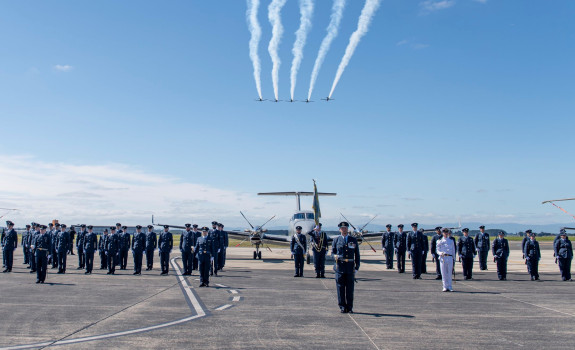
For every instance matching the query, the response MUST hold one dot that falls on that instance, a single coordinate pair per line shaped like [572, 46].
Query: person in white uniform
[446, 251]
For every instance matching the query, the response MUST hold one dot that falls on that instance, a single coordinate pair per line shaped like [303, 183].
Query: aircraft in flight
[307, 101]
[327, 99]
[260, 99]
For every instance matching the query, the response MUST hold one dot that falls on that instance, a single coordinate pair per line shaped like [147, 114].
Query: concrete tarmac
[258, 304]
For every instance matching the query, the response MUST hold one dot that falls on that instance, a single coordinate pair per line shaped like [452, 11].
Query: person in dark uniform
[151, 245]
[217, 239]
[112, 246]
[80, 247]
[523, 242]
[138, 246]
[387, 245]
[72, 236]
[400, 248]
[298, 247]
[223, 246]
[187, 241]
[62, 245]
[318, 240]
[165, 245]
[90, 246]
[415, 247]
[482, 245]
[345, 251]
[125, 244]
[500, 255]
[204, 249]
[102, 250]
[425, 251]
[197, 234]
[435, 257]
[35, 232]
[564, 253]
[54, 254]
[42, 247]
[25, 244]
[467, 251]
[10, 245]
[532, 255]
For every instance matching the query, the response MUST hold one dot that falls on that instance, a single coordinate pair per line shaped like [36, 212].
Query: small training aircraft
[292, 100]
[307, 101]
[256, 235]
[327, 99]
[260, 99]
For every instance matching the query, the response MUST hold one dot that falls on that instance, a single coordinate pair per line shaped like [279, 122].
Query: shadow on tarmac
[383, 315]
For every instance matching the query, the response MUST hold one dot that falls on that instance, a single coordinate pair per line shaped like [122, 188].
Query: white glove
[219, 250]
[212, 258]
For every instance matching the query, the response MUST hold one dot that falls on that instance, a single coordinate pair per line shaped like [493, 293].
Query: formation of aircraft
[292, 100]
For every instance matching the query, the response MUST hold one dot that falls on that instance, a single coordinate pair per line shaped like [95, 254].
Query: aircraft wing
[277, 238]
[372, 234]
[238, 233]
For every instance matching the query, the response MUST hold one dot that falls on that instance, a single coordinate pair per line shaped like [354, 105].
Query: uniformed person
[102, 250]
[415, 247]
[298, 247]
[532, 255]
[425, 251]
[125, 244]
[72, 236]
[466, 249]
[345, 251]
[387, 246]
[62, 246]
[526, 238]
[54, 254]
[500, 251]
[318, 240]
[223, 246]
[445, 249]
[80, 247]
[564, 253]
[112, 245]
[2, 242]
[25, 244]
[32, 256]
[434, 255]
[217, 238]
[400, 248]
[187, 241]
[482, 244]
[151, 245]
[197, 235]
[204, 249]
[138, 246]
[165, 245]
[10, 245]
[42, 247]
[90, 246]
[119, 232]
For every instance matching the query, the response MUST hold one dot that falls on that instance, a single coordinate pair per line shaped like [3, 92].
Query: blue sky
[448, 109]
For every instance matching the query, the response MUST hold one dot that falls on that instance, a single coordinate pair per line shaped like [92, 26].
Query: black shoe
[322, 275]
[5, 271]
[27, 267]
[438, 277]
[350, 311]
[135, 273]
[42, 282]
[296, 275]
[86, 273]
[207, 285]
[532, 278]
[108, 273]
[202, 285]
[32, 271]
[37, 281]
[343, 311]
[79, 268]
[317, 276]
[72, 254]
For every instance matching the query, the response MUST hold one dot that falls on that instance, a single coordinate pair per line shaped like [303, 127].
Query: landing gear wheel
[255, 255]
[260, 255]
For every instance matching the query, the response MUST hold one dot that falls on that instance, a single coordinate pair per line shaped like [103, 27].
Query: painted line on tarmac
[221, 286]
[223, 307]
[353, 319]
[200, 312]
[522, 301]
[236, 299]
[233, 291]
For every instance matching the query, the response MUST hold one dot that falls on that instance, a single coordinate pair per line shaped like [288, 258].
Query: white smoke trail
[306, 12]
[332, 30]
[256, 32]
[274, 16]
[362, 27]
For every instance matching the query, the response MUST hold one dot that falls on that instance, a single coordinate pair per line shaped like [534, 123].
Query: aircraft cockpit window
[309, 216]
[299, 216]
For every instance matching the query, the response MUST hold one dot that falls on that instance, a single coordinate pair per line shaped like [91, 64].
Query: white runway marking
[236, 299]
[195, 303]
[223, 307]
[221, 286]
[233, 291]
